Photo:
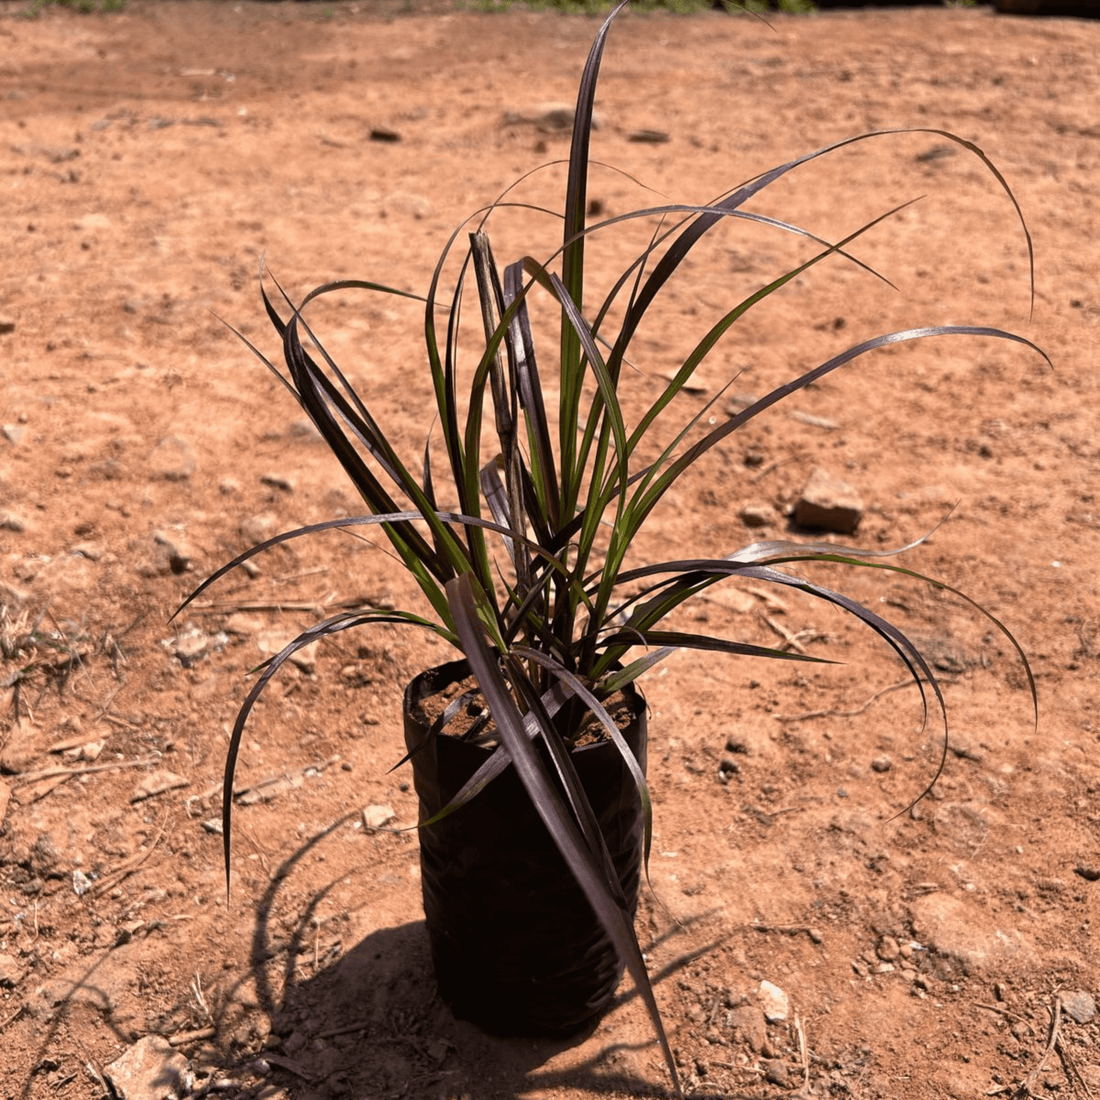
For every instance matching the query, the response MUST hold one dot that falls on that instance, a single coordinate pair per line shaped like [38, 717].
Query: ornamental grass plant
[518, 517]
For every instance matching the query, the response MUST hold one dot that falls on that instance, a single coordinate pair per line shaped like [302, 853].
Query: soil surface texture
[814, 927]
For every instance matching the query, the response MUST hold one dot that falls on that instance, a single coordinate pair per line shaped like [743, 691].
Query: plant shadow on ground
[371, 1018]
[65, 998]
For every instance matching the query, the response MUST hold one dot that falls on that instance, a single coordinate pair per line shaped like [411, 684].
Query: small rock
[277, 481]
[294, 1042]
[172, 460]
[303, 428]
[406, 204]
[11, 973]
[649, 137]
[260, 528]
[881, 763]
[243, 624]
[9, 521]
[175, 548]
[887, 949]
[156, 563]
[91, 551]
[91, 222]
[814, 421]
[828, 504]
[756, 515]
[45, 858]
[961, 929]
[271, 642]
[384, 133]
[13, 433]
[192, 644]
[150, 1070]
[774, 1003]
[550, 118]
[962, 748]
[157, 783]
[16, 758]
[777, 1073]
[6, 325]
[375, 816]
[89, 751]
[270, 789]
[1079, 1006]
[1088, 871]
[694, 384]
[749, 742]
[305, 660]
[749, 1020]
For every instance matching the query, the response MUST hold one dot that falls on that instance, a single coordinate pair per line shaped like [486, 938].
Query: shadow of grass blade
[333, 625]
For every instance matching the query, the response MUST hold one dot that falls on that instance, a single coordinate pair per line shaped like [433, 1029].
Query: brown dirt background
[151, 157]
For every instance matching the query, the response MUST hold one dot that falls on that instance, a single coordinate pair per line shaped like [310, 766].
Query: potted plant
[528, 753]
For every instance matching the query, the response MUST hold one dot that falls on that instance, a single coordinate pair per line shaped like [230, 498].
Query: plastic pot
[517, 948]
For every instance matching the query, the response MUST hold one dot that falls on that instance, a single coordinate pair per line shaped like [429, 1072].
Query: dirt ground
[151, 157]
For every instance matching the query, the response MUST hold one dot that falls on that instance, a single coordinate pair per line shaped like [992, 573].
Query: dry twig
[1054, 1043]
[791, 640]
[832, 712]
[1072, 1072]
[53, 773]
[1052, 1038]
[182, 1038]
[788, 930]
[803, 1053]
